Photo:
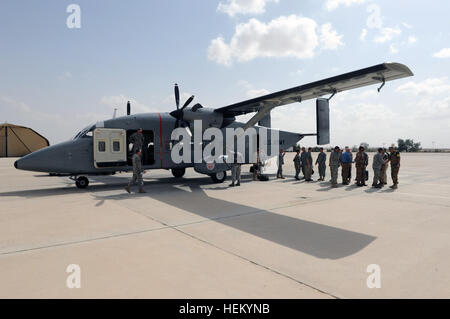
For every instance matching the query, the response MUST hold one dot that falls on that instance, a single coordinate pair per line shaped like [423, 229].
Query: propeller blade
[177, 96]
[189, 100]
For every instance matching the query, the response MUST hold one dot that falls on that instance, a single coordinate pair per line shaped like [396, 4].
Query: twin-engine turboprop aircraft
[104, 149]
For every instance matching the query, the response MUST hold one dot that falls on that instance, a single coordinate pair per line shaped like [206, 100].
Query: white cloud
[12, 103]
[363, 35]
[220, 52]
[412, 39]
[393, 48]
[406, 25]
[432, 86]
[334, 4]
[387, 34]
[286, 36]
[444, 53]
[329, 38]
[256, 93]
[251, 92]
[234, 7]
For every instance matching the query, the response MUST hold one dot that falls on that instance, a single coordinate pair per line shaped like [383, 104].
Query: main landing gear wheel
[178, 172]
[82, 182]
[219, 177]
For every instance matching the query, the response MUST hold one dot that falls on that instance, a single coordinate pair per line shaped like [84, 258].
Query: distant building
[17, 141]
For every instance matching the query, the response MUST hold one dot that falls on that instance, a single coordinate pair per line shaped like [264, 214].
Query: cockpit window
[86, 132]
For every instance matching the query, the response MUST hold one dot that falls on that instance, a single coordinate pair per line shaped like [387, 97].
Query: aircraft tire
[219, 177]
[178, 172]
[82, 182]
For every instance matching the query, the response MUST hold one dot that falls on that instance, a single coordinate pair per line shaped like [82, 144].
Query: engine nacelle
[208, 117]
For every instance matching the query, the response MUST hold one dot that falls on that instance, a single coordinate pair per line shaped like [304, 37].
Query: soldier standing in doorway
[137, 139]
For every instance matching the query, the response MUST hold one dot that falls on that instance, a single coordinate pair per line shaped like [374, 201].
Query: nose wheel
[178, 172]
[219, 177]
[82, 182]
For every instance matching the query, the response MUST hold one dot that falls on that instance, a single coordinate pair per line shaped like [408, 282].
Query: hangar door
[110, 147]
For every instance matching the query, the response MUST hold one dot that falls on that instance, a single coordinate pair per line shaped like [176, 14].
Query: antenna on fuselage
[128, 108]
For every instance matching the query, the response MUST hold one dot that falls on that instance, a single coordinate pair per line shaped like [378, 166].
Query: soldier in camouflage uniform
[303, 157]
[137, 173]
[137, 139]
[376, 165]
[394, 158]
[321, 161]
[334, 164]
[383, 173]
[297, 164]
[308, 165]
[280, 164]
[361, 162]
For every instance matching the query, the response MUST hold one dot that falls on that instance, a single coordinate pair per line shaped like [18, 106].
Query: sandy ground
[189, 238]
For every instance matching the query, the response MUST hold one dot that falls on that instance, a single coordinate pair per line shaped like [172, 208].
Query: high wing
[380, 73]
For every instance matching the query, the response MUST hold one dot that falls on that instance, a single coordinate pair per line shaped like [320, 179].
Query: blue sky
[58, 80]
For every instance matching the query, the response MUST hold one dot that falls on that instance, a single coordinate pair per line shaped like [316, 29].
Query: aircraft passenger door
[110, 147]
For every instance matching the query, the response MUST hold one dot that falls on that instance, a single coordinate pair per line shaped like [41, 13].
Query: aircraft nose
[49, 159]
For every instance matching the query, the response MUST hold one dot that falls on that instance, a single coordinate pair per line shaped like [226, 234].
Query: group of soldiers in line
[303, 162]
[344, 159]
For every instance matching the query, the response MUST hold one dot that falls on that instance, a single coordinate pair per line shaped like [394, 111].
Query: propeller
[178, 113]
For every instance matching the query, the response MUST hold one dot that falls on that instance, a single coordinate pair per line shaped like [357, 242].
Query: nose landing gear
[80, 181]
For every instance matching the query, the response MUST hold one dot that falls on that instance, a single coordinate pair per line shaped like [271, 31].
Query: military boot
[142, 190]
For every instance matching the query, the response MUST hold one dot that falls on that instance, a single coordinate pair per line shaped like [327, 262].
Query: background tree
[408, 145]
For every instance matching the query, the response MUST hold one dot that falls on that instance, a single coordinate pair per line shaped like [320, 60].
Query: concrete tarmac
[190, 238]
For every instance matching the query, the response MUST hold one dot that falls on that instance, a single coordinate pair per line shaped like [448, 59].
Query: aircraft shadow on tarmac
[311, 238]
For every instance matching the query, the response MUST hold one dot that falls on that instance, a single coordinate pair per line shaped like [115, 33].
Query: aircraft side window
[116, 146]
[101, 146]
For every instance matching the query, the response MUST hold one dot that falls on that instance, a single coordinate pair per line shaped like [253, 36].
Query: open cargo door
[110, 147]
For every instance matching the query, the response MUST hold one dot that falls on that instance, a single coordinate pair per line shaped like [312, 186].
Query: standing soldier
[303, 157]
[377, 164]
[321, 161]
[383, 173]
[346, 160]
[137, 173]
[297, 164]
[280, 164]
[334, 165]
[394, 158]
[236, 168]
[137, 139]
[256, 166]
[308, 165]
[361, 162]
